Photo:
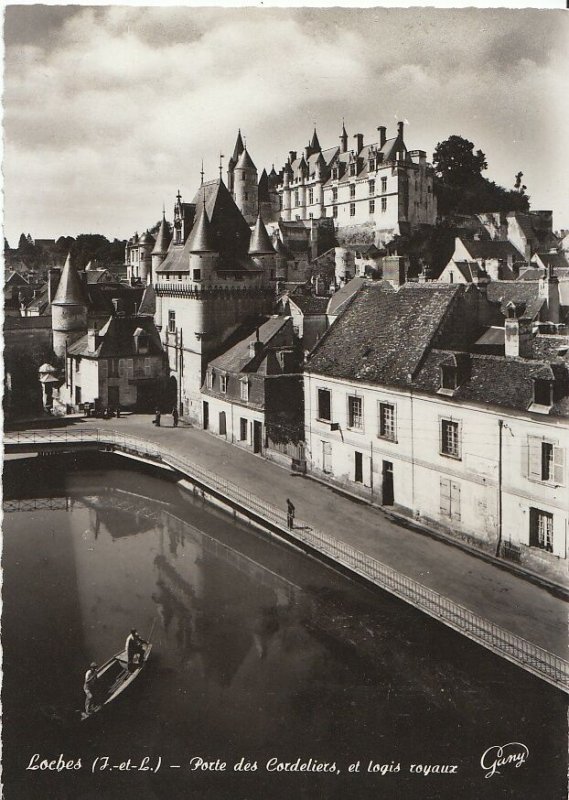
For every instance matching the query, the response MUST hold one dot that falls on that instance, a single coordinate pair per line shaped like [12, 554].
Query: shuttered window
[450, 499]
[541, 529]
[546, 461]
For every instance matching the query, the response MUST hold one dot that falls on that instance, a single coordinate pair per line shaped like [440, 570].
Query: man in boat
[89, 686]
[135, 649]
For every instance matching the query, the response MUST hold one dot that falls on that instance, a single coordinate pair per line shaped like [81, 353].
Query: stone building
[414, 413]
[216, 276]
[382, 185]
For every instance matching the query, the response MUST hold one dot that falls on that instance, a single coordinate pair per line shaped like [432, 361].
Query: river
[261, 655]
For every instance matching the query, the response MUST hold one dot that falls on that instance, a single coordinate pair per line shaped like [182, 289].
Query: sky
[108, 111]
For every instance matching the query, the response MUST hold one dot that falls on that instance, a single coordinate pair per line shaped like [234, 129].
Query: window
[352, 191]
[197, 274]
[223, 383]
[384, 184]
[352, 170]
[334, 194]
[355, 413]
[324, 410]
[372, 206]
[245, 389]
[371, 187]
[546, 461]
[296, 198]
[242, 430]
[541, 529]
[449, 376]
[384, 204]
[172, 321]
[387, 421]
[311, 196]
[335, 211]
[147, 367]
[542, 392]
[113, 368]
[76, 365]
[352, 209]
[450, 438]
[371, 165]
[209, 379]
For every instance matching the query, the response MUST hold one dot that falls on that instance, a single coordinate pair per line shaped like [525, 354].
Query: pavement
[508, 600]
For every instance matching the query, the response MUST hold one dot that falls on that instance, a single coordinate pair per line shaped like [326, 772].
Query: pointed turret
[344, 139]
[70, 290]
[245, 162]
[201, 238]
[68, 309]
[260, 242]
[315, 144]
[162, 238]
[264, 188]
[238, 149]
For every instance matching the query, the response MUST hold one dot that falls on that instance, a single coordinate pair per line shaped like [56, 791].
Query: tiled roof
[116, 339]
[383, 335]
[26, 323]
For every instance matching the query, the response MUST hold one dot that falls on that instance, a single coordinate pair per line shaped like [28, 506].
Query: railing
[535, 659]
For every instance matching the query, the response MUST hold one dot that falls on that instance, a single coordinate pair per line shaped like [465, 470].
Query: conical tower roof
[162, 239]
[260, 242]
[245, 161]
[239, 147]
[315, 144]
[70, 290]
[201, 238]
[264, 187]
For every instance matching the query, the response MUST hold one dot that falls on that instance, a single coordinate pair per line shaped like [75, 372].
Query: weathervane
[221, 156]
[202, 173]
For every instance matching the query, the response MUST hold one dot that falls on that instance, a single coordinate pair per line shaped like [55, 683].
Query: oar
[151, 630]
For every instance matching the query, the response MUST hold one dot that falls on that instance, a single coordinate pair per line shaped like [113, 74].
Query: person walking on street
[175, 416]
[156, 420]
[290, 514]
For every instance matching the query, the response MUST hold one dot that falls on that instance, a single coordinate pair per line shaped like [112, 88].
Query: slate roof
[491, 249]
[342, 297]
[116, 339]
[382, 336]
[260, 242]
[229, 231]
[162, 238]
[518, 292]
[244, 161]
[310, 305]
[26, 323]
[555, 260]
[470, 270]
[70, 290]
[238, 358]
[388, 151]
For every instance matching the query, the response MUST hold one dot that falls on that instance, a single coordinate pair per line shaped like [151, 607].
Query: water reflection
[258, 651]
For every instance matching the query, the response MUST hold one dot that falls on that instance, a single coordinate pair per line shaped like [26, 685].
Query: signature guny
[503, 755]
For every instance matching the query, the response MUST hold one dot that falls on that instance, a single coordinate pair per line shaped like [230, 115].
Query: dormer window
[335, 173]
[209, 379]
[542, 392]
[245, 389]
[223, 384]
[449, 377]
[352, 169]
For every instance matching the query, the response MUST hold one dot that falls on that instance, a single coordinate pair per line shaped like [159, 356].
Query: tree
[456, 163]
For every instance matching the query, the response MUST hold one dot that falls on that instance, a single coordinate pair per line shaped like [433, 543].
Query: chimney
[307, 152]
[518, 337]
[92, 340]
[292, 155]
[382, 135]
[549, 290]
[256, 346]
[359, 137]
[400, 129]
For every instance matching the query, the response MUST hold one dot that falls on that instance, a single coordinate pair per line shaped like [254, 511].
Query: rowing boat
[113, 677]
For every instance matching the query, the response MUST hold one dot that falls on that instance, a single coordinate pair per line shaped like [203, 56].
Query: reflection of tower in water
[217, 604]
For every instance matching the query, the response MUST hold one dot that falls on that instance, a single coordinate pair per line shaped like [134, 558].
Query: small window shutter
[558, 465]
[130, 367]
[121, 367]
[534, 457]
[455, 501]
[445, 497]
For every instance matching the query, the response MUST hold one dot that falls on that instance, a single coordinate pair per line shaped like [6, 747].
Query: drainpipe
[500, 433]
[412, 450]
[371, 468]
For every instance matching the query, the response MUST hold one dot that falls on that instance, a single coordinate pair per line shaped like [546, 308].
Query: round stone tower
[245, 187]
[68, 309]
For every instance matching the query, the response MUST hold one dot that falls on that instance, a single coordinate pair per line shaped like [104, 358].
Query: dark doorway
[205, 415]
[113, 396]
[257, 436]
[387, 484]
[171, 393]
[359, 477]
[222, 424]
